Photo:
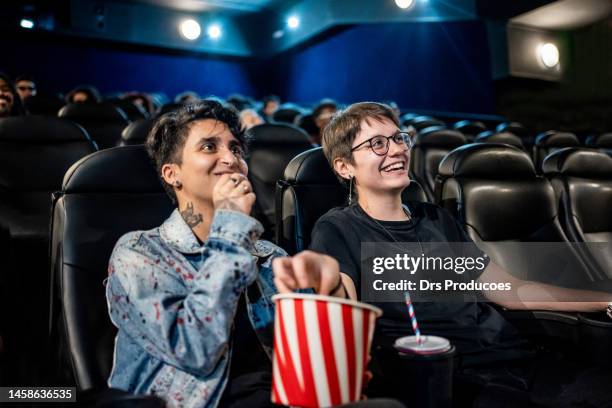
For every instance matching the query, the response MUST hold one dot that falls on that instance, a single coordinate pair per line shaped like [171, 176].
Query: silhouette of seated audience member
[26, 86]
[10, 102]
[271, 103]
[83, 94]
[322, 114]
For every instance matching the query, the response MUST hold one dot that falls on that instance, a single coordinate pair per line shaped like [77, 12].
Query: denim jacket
[174, 302]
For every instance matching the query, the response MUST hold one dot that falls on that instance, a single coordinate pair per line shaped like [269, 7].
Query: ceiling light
[293, 22]
[549, 54]
[404, 4]
[26, 23]
[214, 31]
[190, 29]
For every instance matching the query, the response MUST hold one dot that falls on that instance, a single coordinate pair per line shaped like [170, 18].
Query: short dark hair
[323, 104]
[341, 131]
[270, 98]
[167, 138]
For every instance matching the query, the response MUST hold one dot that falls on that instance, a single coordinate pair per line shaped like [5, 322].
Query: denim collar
[176, 233]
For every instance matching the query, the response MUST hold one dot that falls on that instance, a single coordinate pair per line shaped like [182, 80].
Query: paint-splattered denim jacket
[174, 302]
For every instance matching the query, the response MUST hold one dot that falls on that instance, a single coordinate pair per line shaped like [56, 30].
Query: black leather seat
[500, 137]
[132, 111]
[549, 142]
[582, 179]
[494, 191]
[513, 127]
[470, 128]
[286, 115]
[104, 195]
[422, 122]
[169, 107]
[103, 121]
[602, 142]
[272, 147]
[136, 132]
[308, 190]
[35, 152]
[431, 146]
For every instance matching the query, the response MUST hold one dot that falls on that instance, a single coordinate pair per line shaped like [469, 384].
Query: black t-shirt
[250, 369]
[478, 331]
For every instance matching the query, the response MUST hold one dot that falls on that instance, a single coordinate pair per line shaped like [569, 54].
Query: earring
[178, 184]
[350, 196]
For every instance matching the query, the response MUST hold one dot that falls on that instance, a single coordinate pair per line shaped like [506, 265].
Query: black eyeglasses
[380, 144]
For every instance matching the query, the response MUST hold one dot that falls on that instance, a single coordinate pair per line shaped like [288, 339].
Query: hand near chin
[233, 192]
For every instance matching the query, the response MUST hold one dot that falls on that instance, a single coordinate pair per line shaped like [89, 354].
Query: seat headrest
[602, 140]
[32, 128]
[577, 162]
[499, 137]
[553, 138]
[278, 134]
[92, 111]
[310, 167]
[137, 131]
[487, 161]
[125, 169]
[422, 122]
[470, 127]
[512, 127]
[440, 136]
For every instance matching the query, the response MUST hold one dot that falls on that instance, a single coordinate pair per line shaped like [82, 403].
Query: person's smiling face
[210, 151]
[376, 174]
[6, 98]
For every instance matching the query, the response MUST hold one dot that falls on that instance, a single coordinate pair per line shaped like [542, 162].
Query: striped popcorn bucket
[321, 346]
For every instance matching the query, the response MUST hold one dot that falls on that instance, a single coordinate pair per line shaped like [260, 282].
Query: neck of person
[383, 207]
[198, 216]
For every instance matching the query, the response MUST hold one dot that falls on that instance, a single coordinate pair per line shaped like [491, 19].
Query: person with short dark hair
[187, 97]
[84, 94]
[270, 104]
[25, 86]
[322, 114]
[192, 298]
[369, 152]
[10, 102]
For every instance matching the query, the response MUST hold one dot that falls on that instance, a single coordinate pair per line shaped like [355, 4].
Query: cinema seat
[493, 190]
[132, 111]
[104, 196]
[500, 137]
[286, 115]
[103, 121]
[582, 180]
[35, 152]
[309, 189]
[423, 122]
[602, 142]
[549, 142]
[136, 132]
[470, 128]
[272, 147]
[431, 146]
[513, 127]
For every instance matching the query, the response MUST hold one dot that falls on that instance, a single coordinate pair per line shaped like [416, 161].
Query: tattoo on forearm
[192, 219]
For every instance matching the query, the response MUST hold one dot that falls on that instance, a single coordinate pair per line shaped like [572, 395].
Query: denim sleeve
[178, 316]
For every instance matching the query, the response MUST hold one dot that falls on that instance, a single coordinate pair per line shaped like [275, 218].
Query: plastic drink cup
[321, 348]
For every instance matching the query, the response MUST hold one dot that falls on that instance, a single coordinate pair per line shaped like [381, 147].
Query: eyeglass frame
[411, 132]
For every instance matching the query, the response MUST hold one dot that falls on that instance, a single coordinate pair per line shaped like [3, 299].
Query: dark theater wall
[437, 66]
[61, 64]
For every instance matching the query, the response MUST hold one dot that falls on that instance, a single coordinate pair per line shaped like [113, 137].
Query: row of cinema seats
[435, 142]
[492, 188]
[18, 141]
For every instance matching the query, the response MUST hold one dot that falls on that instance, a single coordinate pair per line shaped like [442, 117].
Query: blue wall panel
[437, 66]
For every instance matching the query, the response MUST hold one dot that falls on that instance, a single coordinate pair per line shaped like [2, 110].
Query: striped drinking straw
[413, 320]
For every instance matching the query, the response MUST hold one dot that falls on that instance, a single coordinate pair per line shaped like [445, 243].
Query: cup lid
[312, 296]
[428, 345]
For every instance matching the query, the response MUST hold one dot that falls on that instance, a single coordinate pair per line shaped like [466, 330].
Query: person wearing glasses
[370, 154]
[26, 86]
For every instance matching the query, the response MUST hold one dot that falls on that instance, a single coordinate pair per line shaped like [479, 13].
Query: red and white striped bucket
[321, 346]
